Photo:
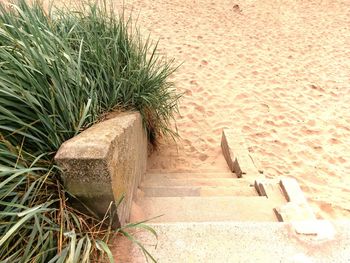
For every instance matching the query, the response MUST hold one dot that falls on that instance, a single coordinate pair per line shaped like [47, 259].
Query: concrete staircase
[229, 217]
[200, 197]
[217, 217]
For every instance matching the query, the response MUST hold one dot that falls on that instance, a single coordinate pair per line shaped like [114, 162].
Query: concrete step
[203, 209]
[152, 181]
[197, 171]
[163, 191]
[191, 175]
[219, 242]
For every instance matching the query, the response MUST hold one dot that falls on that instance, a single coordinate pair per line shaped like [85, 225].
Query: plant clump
[60, 71]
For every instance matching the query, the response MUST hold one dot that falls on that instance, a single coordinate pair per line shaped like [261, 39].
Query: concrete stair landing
[237, 242]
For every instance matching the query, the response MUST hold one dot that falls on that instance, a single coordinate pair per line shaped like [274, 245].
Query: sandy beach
[276, 69]
[279, 70]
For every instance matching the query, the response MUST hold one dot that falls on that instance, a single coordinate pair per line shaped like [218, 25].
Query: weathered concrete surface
[105, 162]
[271, 189]
[322, 229]
[297, 209]
[196, 184]
[172, 191]
[236, 154]
[185, 175]
[204, 209]
[292, 190]
[163, 181]
[235, 242]
[293, 211]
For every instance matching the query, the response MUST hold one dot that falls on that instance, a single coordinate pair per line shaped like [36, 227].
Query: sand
[277, 69]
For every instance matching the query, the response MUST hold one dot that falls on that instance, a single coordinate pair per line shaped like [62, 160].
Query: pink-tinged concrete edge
[105, 163]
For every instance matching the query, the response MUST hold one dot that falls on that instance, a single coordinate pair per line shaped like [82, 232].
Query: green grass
[60, 71]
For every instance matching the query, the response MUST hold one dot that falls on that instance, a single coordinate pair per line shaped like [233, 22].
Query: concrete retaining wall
[105, 162]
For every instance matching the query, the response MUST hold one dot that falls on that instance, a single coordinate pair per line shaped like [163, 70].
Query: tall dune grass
[60, 71]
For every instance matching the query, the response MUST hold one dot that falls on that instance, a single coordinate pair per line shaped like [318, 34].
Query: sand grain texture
[277, 69]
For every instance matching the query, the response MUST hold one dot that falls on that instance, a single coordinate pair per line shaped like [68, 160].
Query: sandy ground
[277, 69]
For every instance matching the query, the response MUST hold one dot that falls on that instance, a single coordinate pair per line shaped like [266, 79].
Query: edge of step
[241, 241]
[166, 181]
[173, 191]
[204, 208]
[192, 175]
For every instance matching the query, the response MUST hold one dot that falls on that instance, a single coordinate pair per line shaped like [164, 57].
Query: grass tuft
[60, 71]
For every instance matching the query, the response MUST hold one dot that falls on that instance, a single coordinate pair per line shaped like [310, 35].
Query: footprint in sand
[200, 108]
[274, 64]
[188, 92]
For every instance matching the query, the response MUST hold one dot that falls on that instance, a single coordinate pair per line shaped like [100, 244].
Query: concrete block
[271, 189]
[291, 212]
[104, 163]
[236, 154]
[292, 190]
